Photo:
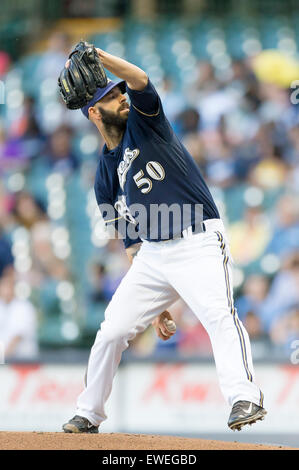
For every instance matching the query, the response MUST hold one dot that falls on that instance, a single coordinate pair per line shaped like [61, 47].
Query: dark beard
[113, 122]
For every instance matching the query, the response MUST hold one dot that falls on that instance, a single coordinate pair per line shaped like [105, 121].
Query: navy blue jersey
[148, 168]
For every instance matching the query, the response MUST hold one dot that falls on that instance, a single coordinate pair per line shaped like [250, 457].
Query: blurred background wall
[226, 72]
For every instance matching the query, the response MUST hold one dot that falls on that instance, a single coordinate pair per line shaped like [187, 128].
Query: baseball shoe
[245, 412]
[79, 424]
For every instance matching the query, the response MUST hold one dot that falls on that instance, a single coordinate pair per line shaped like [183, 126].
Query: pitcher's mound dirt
[115, 441]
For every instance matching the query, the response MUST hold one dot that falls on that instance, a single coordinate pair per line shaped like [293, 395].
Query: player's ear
[94, 114]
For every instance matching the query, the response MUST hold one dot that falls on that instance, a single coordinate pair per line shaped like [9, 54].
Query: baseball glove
[84, 74]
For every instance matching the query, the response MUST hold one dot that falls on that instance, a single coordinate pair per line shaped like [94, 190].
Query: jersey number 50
[155, 170]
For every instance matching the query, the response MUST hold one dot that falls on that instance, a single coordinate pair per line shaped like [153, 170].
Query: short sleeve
[146, 101]
[147, 113]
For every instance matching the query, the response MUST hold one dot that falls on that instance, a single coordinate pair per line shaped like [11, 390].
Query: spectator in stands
[116, 265]
[96, 278]
[30, 213]
[191, 338]
[249, 236]
[45, 264]
[173, 102]
[25, 129]
[188, 127]
[283, 295]
[12, 154]
[210, 97]
[18, 323]
[220, 165]
[249, 305]
[242, 78]
[22, 138]
[53, 60]
[270, 172]
[188, 121]
[285, 238]
[286, 329]
[28, 210]
[60, 156]
[205, 81]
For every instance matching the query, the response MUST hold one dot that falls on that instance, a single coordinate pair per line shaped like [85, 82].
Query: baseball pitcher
[144, 166]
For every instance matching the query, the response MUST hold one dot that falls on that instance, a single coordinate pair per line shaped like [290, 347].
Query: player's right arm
[134, 76]
[132, 251]
[144, 97]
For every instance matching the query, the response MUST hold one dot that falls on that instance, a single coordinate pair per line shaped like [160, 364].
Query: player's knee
[115, 334]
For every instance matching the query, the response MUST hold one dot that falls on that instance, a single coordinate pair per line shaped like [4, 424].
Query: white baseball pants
[197, 269]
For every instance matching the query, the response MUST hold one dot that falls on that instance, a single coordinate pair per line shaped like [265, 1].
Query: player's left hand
[82, 75]
[160, 324]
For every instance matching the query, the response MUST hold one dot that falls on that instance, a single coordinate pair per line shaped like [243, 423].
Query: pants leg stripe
[261, 399]
[232, 308]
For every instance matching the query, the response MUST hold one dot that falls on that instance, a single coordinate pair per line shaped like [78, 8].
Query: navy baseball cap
[101, 92]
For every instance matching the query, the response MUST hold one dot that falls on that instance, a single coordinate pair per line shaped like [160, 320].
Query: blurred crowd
[243, 134]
